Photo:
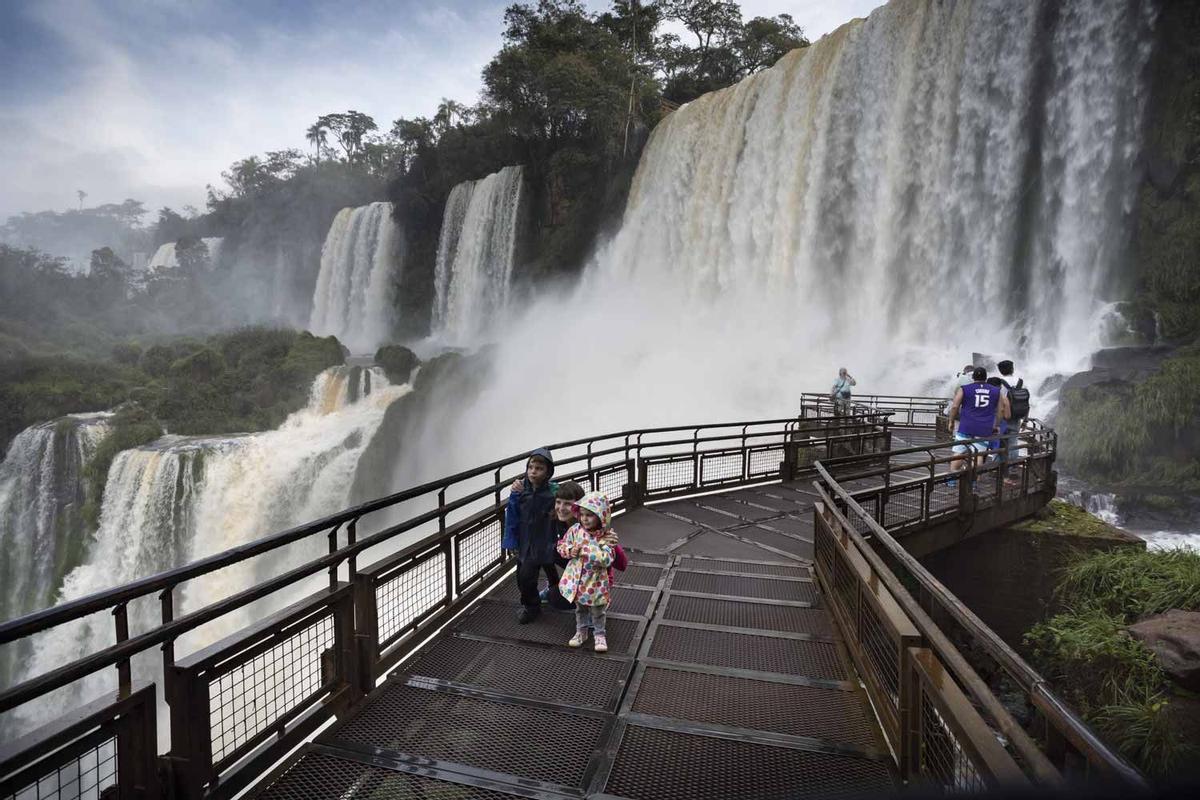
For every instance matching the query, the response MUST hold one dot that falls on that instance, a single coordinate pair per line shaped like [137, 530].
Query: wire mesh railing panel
[408, 596]
[477, 551]
[764, 461]
[248, 697]
[665, 475]
[612, 481]
[882, 651]
[905, 506]
[89, 775]
[941, 759]
[721, 468]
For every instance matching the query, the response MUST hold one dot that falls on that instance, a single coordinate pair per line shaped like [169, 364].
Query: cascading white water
[355, 295]
[476, 250]
[43, 534]
[42, 491]
[167, 255]
[182, 498]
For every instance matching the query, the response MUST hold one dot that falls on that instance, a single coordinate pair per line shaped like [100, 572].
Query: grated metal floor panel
[737, 586]
[318, 775]
[627, 600]
[538, 743]
[747, 512]
[779, 541]
[744, 567]
[655, 764]
[700, 516]
[647, 529]
[738, 614]
[810, 658]
[711, 543]
[792, 525]
[494, 619]
[640, 574]
[821, 713]
[559, 676]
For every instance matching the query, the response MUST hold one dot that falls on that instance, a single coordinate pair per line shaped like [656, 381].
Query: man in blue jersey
[979, 407]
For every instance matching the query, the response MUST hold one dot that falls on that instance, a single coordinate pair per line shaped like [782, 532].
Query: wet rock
[1175, 639]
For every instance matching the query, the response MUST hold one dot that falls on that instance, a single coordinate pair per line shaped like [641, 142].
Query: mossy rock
[398, 362]
[1060, 518]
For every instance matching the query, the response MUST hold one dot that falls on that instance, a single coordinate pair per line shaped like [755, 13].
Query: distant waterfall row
[360, 263]
[475, 256]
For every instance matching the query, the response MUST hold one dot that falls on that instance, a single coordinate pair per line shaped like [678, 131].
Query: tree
[447, 110]
[350, 130]
[317, 136]
[82, 194]
[765, 40]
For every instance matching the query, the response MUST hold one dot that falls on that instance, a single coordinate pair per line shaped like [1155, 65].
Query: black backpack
[1018, 400]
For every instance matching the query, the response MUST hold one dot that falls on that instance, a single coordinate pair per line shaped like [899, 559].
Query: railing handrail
[1029, 679]
[37, 621]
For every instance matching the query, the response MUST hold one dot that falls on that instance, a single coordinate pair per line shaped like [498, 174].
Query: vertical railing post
[137, 748]
[351, 540]
[366, 630]
[124, 669]
[348, 649]
[333, 568]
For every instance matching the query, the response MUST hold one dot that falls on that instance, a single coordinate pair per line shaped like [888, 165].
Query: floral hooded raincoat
[586, 578]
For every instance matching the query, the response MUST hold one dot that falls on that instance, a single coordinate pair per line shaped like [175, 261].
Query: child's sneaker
[601, 643]
[579, 638]
[544, 594]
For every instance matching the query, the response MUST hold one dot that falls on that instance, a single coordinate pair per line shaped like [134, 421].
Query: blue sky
[153, 98]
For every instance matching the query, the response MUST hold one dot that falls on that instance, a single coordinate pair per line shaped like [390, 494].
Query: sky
[152, 99]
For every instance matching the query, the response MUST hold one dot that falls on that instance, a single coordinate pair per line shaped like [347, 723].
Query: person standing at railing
[981, 407]
[527, 530]
[840, 393]
[587, 580]
[1018, 401]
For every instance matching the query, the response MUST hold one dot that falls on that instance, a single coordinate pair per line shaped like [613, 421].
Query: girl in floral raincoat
[586, 580]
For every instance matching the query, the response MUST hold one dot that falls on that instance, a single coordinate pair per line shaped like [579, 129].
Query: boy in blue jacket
[527, 530]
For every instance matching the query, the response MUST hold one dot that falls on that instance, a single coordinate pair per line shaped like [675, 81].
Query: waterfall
[355, 295]
[182, 498]
[167, 255]
[475, 255]
[43, 536]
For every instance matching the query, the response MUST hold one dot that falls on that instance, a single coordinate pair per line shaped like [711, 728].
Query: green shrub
[1131, 584]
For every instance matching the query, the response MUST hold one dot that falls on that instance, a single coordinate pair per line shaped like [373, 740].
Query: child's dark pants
[527, 583]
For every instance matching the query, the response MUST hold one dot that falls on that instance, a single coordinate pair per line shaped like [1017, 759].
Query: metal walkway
[725, 678]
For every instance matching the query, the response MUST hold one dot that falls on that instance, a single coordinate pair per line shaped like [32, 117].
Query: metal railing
[238, 704]
[906, 412]
[906, 632]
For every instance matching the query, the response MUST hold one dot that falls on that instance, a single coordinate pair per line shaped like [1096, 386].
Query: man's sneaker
[527, 615]
[579, 638]
[601, 643]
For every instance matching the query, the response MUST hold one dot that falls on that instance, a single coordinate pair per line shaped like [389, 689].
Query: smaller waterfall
[476, 250]
[42, 492]
[355, 295]
[167, 255]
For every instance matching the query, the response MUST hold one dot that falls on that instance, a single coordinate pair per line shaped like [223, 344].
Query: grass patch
[1060, 518]
[1112, 678]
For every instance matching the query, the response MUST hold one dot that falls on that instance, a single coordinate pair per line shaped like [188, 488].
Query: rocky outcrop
[1175, 639]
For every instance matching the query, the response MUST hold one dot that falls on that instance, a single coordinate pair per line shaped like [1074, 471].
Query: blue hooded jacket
[527, 514]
